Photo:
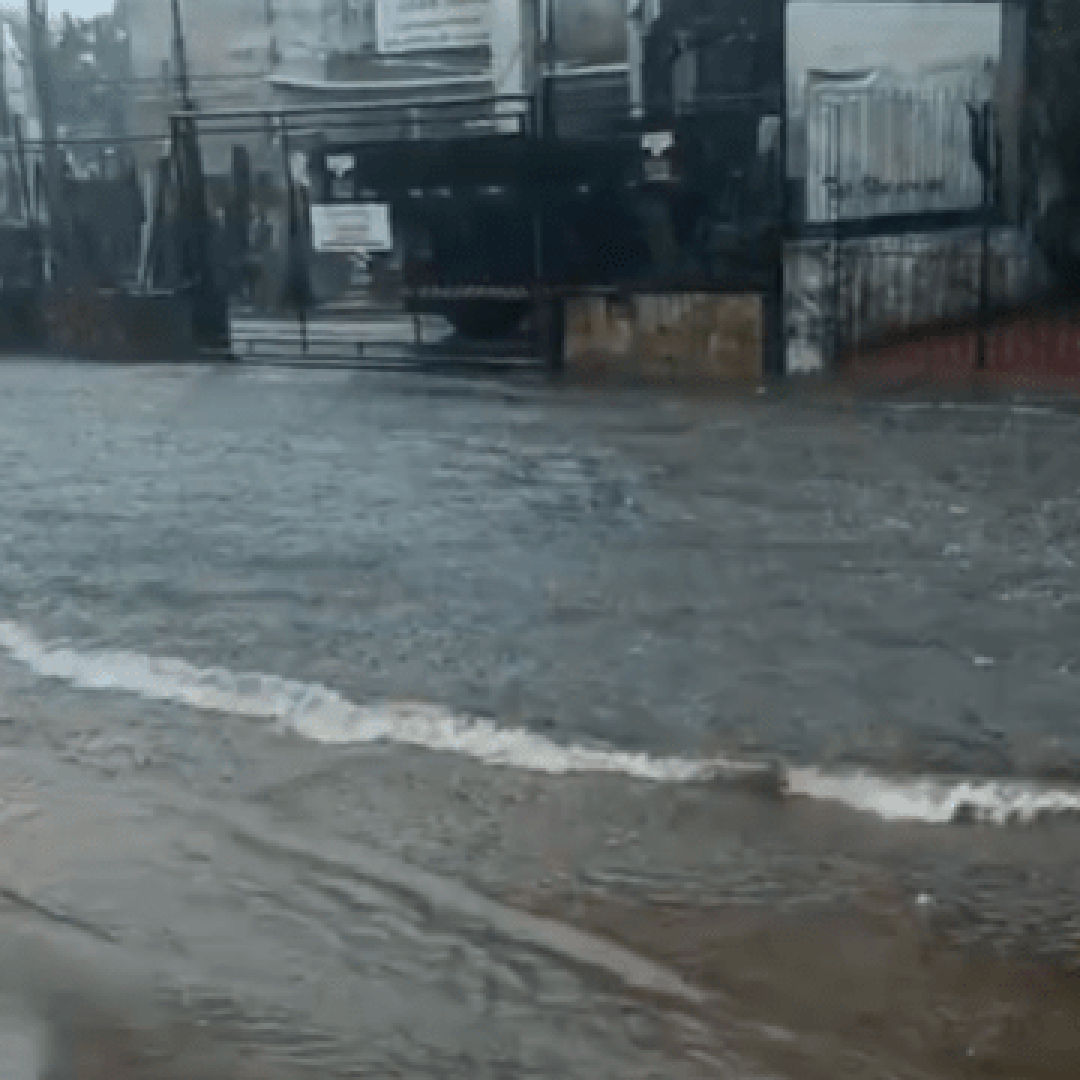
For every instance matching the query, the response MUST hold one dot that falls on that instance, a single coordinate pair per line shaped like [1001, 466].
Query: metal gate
[375, 193]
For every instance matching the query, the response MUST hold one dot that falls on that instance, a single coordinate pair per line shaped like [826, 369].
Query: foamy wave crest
[323, 715]
[935, 801]
[319, 713]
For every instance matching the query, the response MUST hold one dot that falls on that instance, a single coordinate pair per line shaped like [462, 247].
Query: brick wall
[1035, 350]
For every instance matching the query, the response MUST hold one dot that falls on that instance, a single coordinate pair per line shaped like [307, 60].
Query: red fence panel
[1031, 350]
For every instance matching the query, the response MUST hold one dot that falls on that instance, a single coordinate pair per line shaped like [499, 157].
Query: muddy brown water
[357, 725]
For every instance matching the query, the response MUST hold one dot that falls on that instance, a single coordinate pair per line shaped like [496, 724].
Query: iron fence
[846, 297]
[898, 286]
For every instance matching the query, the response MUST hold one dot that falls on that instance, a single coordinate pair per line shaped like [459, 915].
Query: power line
[86, 140]
[102, 140]
[136, 80]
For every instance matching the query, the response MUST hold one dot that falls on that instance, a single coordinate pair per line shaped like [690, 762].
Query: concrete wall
[689, 338]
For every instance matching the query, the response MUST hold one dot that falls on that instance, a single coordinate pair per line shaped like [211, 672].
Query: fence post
[984, 276]
[984, 144]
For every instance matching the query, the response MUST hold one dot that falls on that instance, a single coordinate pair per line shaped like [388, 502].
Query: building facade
[16, 77]
[18, 111]
[280, 53]
[880, 101]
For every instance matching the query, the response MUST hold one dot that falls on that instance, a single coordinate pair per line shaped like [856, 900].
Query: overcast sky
[841, 36]
[79, 9]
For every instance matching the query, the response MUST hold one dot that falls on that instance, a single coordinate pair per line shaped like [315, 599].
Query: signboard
[657, 166]
[657, 143]
[657, 171]
[587, 32]
[423, 25]
[351, 227]
[340, 164]
[341, 167]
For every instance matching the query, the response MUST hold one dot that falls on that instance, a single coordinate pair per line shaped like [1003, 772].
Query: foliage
[1055, 97]
[90, 65]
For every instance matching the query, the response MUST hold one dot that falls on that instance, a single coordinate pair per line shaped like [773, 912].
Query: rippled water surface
[358, 725]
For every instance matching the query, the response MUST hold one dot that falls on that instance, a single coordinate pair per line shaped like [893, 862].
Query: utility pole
[780, 326]
[10, 193]
[209, 313]
[636, 27]
[5, 115]
[545, 40]
[984, 149]
[295, 261]
[180, 58]
[37, 20]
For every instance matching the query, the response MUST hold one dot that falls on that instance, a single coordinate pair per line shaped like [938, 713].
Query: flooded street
[376, 725]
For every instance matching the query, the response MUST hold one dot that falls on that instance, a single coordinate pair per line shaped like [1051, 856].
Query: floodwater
[357, 725]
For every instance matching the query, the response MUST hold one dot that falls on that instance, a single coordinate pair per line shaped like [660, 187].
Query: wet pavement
[371, 725]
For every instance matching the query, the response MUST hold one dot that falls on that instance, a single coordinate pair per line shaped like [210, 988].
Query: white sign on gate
[351, 227]
[423, 25]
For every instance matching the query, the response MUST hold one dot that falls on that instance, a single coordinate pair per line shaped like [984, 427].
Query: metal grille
[588, 103]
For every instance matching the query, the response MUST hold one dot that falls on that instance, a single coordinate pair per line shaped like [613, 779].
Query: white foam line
[994, 408]
[323, 715]
[934, 801]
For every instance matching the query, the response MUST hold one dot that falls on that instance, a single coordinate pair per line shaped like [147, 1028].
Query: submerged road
[360, 725]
